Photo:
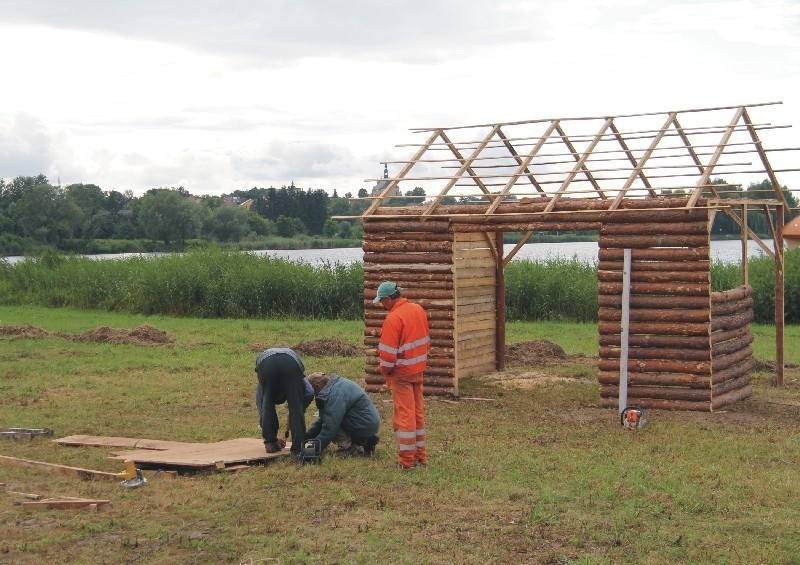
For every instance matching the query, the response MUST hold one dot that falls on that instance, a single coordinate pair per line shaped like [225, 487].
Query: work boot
[351, 451]
[369, 445]
[272, 446]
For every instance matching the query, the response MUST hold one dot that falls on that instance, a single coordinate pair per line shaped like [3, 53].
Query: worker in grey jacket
[346, 415]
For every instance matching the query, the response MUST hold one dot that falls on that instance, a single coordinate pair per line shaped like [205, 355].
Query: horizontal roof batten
[604, 117]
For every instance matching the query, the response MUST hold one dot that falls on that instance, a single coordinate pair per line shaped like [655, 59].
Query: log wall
[419, 257]
[669, 351]
[731, 345]
[688, 348]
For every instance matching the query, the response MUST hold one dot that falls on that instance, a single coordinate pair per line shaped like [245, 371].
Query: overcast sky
[217, 96]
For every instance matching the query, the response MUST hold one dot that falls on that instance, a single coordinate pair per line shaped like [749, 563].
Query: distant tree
[100, 226]
[212, 202]
[363, 193]
[338, 207]
[44, 214]
[330, 228]
[418, 192]
[12, 191]
[167, 215]
[229, 223]
[90, 198]
[345, 230]
[258, 225]
[284, 226]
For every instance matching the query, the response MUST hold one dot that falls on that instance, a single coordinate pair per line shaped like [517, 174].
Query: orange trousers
[408, 419]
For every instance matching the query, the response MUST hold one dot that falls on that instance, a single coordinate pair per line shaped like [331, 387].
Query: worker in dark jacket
[346, 414]
[280, 376]
[308, 396]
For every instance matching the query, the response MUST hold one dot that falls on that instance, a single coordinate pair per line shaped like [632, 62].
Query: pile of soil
[328, 347]
[143, 335]
[539, 352]
[24, 332]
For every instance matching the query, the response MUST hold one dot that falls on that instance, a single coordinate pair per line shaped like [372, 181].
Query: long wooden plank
[79, 472]
[71, 504]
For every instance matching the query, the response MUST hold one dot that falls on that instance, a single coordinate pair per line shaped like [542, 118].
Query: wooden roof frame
[642, 153]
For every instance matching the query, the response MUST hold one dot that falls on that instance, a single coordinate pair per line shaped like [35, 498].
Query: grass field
[537, 474]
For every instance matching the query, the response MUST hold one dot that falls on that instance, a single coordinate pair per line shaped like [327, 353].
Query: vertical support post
[745, 262]
[626, 314]
[500, 304]
[779, 298]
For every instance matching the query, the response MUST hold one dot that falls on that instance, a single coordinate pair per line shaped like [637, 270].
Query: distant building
[247, 203]
[378, 189]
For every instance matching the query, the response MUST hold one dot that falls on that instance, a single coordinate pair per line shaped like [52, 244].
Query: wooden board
[204, 455]
[111, 441]
[157, 454]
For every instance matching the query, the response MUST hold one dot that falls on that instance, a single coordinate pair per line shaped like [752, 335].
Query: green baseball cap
[386, 288]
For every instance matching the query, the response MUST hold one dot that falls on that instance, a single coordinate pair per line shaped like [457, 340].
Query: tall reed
[556, 289]
[215, 283]
[208, 283]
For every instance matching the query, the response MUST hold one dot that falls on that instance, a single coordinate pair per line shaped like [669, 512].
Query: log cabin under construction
[644, 183]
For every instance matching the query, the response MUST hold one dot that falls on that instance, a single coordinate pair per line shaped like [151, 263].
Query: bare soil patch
[143, 335]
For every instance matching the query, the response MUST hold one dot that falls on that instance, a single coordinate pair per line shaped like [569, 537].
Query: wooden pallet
[182, 456]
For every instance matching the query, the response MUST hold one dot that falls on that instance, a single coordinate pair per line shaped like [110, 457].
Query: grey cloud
[26, 148]
[280, 31]
[294, 160]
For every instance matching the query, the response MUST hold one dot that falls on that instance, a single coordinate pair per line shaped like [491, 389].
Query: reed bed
[217, 283]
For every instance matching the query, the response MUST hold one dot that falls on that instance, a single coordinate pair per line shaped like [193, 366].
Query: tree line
[37, 215]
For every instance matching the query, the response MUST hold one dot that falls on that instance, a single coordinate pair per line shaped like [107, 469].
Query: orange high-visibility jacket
[405, 340]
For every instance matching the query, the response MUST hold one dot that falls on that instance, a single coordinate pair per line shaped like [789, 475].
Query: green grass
[537, 475]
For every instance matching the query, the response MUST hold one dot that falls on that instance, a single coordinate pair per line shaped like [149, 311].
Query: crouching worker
[346, 415]
[281, 379]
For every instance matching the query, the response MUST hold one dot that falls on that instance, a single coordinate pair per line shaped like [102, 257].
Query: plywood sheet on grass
[176, 454]
[204, 455]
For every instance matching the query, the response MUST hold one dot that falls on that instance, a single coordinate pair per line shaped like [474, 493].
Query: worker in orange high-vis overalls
[403, 351]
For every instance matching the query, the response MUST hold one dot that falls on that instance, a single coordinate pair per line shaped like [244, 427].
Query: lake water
[585, 251]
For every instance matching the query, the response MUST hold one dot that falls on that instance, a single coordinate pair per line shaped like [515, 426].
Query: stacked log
[418, 256]
[731, 349]
[670, 359]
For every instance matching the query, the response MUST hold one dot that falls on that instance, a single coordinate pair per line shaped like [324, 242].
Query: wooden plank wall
[731, 349]
[476, 311]
[669, 354]
[419, 257]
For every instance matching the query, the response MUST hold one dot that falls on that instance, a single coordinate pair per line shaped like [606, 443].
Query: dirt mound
[537, 352]
[328, 347]
[143, 335]
[26, 331]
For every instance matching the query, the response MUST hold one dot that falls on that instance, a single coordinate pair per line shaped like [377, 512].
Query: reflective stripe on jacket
[405, 340]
